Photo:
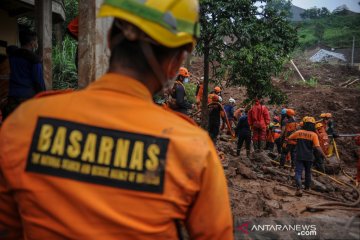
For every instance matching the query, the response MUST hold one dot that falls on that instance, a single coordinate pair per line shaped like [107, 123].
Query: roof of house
[323, 55]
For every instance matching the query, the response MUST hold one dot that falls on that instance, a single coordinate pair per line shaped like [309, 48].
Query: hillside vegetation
[338, 31]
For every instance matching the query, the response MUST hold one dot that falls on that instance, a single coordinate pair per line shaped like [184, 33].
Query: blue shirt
[229, 110]
[26, 76]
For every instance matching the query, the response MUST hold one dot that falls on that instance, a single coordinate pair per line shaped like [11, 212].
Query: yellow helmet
[318, 125]
[171, 23]
[309, 120]
[304, 118]
[323, 115]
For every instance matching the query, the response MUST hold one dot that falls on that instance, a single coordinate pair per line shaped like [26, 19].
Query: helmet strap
[153, 62]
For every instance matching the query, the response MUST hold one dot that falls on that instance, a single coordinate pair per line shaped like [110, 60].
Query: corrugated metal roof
[324, 55]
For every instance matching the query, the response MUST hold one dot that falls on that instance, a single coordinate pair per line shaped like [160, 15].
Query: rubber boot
[262, 145]
[256, 146]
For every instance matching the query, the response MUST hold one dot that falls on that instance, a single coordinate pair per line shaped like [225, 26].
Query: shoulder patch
[98, 155]
[53, 92]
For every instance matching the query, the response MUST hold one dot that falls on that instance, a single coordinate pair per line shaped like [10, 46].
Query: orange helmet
[184, 72]
[318, 125]
[217, 89]
[290, 112]
[323, 115]
[328, 115]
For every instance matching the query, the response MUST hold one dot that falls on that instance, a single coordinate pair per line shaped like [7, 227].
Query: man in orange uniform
[324, 144]
[66, 173]
[288, 145]
[306, 142]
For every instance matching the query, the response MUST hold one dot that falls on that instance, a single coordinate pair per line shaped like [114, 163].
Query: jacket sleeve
[10, 222]
[38, 78]
[266, 116]
[210, 215]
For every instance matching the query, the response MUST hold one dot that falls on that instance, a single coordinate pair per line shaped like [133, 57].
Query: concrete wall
[8, 30]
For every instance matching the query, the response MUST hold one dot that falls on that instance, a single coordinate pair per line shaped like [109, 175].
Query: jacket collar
[121, 84]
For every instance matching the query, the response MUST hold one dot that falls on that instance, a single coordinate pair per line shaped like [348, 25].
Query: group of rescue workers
[304, 144]
[67, 173]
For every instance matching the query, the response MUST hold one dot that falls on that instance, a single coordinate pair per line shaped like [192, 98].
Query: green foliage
[190, 89]
[315, 13]
[256, 44]
[72, 11]
[338, 31]
[64, 69]
[312, 82]
[319, 31]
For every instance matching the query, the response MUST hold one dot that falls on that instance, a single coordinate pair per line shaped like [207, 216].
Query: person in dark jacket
[306, 142]
[26, 74]
[230, 114]
[216, 112]
[244, 134]
[178, 92]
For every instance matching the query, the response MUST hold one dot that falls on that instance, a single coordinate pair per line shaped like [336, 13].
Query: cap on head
[184, 72]
[171, 23]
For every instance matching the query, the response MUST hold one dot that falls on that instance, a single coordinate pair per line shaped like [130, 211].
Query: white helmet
[231, 100]
[220, 99]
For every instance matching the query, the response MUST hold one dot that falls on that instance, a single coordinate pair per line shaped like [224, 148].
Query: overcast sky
[329, 4]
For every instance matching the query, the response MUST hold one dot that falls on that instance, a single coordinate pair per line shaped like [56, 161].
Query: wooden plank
[43, 9]
[93, 51]
[87, 42]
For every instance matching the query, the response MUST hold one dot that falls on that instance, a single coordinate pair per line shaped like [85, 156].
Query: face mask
[186, 80]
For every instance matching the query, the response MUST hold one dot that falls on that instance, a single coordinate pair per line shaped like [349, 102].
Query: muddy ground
[258, 189]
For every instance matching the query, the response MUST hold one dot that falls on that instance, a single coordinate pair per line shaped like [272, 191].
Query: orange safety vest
[87, 165]
[323, 139]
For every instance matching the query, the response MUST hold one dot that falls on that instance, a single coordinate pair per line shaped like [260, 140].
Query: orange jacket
[200, 93]
[323, 139]
[87, 165]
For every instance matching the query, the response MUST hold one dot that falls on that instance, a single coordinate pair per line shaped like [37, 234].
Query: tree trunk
[204, 109]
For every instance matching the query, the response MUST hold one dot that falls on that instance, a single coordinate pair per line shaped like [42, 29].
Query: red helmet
[184, 72]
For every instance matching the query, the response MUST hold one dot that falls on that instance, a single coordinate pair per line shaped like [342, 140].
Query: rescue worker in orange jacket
[259, 119]
[288, 145]
[306, 142]
[324, 144]
[199, 93]
[67, 173]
